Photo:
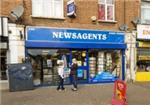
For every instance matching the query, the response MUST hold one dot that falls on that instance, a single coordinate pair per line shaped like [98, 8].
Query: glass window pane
[37, 7]
[110, 1]
[109, 12]
[3, 71]
[57, 0]
[104, 61]
[101, 1]
[145, 4]
[146, 13]
[45, 63]
[47, 8]
[101, 12]
[58, 9]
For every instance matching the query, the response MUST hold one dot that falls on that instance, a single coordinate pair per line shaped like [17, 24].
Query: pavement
[97, 94]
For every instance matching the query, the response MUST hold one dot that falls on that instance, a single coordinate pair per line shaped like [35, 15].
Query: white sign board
[143, 31]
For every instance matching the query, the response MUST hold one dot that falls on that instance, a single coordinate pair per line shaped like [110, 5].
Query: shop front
[99, 54]
[143, 53]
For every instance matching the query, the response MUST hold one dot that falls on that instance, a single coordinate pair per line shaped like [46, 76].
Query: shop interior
[143, 60]
[143, 66]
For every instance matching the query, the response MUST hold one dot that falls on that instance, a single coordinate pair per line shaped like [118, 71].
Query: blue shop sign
[87, 38]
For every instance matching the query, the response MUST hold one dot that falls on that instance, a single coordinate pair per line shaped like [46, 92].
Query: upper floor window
[145, 12]
[47, 8]
[106, 10]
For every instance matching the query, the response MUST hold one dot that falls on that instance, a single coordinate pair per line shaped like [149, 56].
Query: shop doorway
[82, 60]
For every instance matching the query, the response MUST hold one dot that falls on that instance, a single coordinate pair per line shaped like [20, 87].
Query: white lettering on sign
[84, 36]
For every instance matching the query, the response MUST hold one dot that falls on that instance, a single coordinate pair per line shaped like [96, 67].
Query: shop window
[105, 64]
[106, 10]
[143, 65]
[145, 12]
[47, 8]
[44, 63]
[143, 60]
[3, 72]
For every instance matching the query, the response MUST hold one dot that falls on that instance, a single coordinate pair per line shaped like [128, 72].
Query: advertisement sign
[144, 57]
[71, 8]
[47, 37]
[119, 97]
[120, 90]
[104, 76]
[80, 73]
[143, 32]
[49, 63]
[73, 35]
[20, 76]
[144, 44]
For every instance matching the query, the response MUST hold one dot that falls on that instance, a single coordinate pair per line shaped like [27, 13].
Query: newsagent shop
[100, 54]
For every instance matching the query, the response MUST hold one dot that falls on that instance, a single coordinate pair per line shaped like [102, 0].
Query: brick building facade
[125, 11]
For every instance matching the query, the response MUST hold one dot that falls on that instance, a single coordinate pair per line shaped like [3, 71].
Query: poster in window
[49, 63]
[80, 73]
[109, 13]
[101, 12]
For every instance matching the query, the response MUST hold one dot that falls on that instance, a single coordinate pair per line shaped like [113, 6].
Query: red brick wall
[85, 9]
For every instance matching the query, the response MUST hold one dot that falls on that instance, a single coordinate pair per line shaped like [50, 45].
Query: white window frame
[51, 8]
[106, 5]
[143, 6]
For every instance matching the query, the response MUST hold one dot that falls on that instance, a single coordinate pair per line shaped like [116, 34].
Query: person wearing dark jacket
[73, 74]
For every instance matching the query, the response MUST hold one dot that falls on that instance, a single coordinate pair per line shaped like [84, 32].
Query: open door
[82, 60]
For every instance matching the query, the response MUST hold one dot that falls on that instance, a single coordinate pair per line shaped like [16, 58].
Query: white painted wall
[16, 45]
[16, 51]
[130, 56]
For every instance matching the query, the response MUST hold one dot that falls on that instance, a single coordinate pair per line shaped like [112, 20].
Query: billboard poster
[143, 32]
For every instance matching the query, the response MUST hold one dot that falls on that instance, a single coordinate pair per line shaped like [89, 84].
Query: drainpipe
[124, 11]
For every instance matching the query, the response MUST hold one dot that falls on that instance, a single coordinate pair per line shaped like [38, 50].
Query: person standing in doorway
[61, 75]
[73, 74]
